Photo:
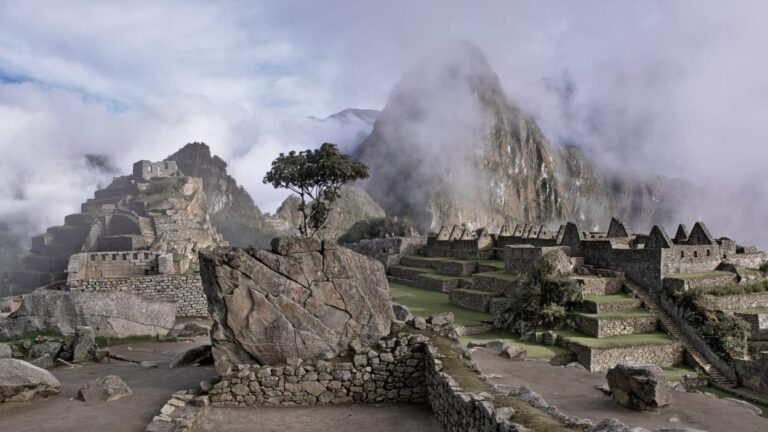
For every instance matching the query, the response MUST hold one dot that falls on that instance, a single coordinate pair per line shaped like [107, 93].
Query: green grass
[419, 257]
[722, 394]
[478, 292]
[617, 315]
[616, 341]
[757, 310]
[32, 336]
[535, 350]
[678, 372]
[416, 269]
[532, 418]
[610, 298]
[492, 263]
[423, 303]
[700, 275]
[446, 277]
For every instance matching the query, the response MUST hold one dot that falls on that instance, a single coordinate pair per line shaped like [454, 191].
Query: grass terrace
[424, 302]
[622, 341]
[678, 372]
[535, 350]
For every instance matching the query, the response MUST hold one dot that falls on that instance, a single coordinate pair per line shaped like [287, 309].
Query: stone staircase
[672, 327]
[148, 231]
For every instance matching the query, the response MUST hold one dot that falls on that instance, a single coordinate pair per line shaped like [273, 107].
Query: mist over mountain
[451, 146]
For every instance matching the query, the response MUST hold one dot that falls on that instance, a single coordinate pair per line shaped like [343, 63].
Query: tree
[316, 176]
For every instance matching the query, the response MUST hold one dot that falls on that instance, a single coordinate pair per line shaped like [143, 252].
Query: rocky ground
[345, 418]
[573, 391]
[151, 389]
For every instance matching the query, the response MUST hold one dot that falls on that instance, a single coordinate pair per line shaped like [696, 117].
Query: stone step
[456, 268]
[79, 219]
[608, 303]
[440, 283]
[636, 321]
[479, 301]
[499, 304]
[410, 273]
[62, 250]
[599, 285]
[69, 234]
[44, 263]
[499, 282]
[96, 204]
[417, 261]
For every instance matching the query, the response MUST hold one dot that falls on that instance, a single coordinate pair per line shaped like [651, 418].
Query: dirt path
[343, 418]
[151, 389]
[573, 391]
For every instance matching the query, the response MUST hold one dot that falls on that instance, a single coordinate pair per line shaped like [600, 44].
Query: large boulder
[84, 345]
[639, 387]
[21, 382]
[108, 314]
[303, 300]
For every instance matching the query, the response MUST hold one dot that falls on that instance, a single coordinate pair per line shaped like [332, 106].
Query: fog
[678, 88]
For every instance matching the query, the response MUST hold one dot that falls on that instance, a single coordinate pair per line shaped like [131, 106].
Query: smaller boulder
[148, 364]
[51, 348]
[84, 345]
[5, 351]
[21, 382]
[201, 355]
[44, 362]
[419, 323]
[190, 329]
[513, 352]
[402, 313]
[441, 319]
[105, 389]
[639, 387]
[494, 345]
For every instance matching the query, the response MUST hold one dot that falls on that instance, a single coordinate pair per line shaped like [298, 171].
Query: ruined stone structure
[139, 235]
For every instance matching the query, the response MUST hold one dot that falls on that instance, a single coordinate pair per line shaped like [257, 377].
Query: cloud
[676, 88]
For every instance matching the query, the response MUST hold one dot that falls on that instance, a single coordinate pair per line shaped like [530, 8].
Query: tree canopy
[316, 176]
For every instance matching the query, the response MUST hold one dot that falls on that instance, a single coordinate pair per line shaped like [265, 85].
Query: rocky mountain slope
[451, 147]
[242, 223]
[354, 205]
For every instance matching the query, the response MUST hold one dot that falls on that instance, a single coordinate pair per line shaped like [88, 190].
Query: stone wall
[600, 359]
[690, 259]
[456, 268]
[389, 250]
[186, 290]
[614, 327]
[118, 264]
[393, 371]
[739, 301]
[683, 284]
[641, 265]
[479, 301]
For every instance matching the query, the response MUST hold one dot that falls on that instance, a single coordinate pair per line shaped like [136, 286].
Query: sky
[674, 87]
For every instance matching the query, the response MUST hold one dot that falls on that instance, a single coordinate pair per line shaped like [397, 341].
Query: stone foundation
[436, 284]
[600, 328]
[597, 285]
[479, 301]
[455, 268]
[600, 359]
[491, 283]
[186, 290]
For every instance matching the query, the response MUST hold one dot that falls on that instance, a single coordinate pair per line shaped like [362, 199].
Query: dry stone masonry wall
[393, 371]
[185, 289]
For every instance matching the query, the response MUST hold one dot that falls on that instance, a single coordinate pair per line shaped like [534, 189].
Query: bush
[539, 303]
[561, 291]
[378, 228]
[764, 268]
